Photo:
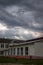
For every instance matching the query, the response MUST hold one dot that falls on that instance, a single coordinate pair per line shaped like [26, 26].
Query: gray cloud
[9, 2]
[29, 15]
[9, 20]
[23, 20]
[32, 4]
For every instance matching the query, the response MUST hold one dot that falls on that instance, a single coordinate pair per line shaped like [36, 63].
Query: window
[8, 51]
[21, 50]
[1, 52]
[26, 50]
[11, 51]
[6, 46]
[17, 51]
[14, 51]
[2, 45]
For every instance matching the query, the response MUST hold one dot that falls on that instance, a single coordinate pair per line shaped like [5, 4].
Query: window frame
[14, 51]
[26, 51]
[2, 45]
[18, 51]
[21, 51]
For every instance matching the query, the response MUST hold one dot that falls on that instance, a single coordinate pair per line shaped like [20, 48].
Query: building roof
[3, 40]
[35, 39]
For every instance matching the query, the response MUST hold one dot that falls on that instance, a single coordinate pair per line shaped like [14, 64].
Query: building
[11, 47]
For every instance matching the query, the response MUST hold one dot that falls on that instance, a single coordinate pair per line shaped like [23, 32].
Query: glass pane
[14, 51]
[6, 46]
[26, 50]
[2, 45]
[17, 51]
[11, 51]
[21, 50]
[1, 52]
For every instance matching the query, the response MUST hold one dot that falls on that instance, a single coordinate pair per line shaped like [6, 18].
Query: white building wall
[24, 51]
[35, 49]
[31, 50]
[0, 45]
[16, 51]
[38, 49]
[6, 53]
[1, 49]
[11, 52]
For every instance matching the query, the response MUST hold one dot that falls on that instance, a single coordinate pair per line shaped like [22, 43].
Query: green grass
[7, 60]
[27, 61]
[21, 61]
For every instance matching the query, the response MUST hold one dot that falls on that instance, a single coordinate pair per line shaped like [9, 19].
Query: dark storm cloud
[6, 18]
[9, 2]
[9, 20]
[30, 4]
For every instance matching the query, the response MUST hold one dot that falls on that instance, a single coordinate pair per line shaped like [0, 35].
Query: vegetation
[21, 61]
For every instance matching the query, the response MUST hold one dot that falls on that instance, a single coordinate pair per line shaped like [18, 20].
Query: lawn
[21, 61]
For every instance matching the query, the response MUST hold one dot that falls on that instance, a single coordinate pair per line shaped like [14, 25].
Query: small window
[21, 50]
[1, 52]
[14, 51]
[26, 50]
[17, 51]
[11, 51]
[6, 46]
[2, 45]
[8, 51]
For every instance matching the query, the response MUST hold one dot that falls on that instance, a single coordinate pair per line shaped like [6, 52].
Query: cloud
[19, 33]
[30, 4]
[2, 27]
[18, 16]
[29, 19]
[10, 20]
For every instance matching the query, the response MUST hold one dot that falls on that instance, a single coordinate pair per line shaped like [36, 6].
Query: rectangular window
[2, 45]
[1, 52]
[26, 51]
[11, 51]
[21, 50]
[17, 51]
[8, 51]
[14, 51]
[6, 46]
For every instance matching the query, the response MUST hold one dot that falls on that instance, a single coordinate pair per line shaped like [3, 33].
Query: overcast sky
[21, 19]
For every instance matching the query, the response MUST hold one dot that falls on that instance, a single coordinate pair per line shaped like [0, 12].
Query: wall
[30, 48]
[38, 48]
[3, 49]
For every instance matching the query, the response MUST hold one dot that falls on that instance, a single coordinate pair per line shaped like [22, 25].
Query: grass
[21, 61]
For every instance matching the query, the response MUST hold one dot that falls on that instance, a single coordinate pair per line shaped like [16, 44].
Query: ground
[9, 64]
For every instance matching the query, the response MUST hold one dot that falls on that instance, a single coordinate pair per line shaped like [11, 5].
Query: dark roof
[25, 42]
[3, 40]
[17, 41]
[35, 39]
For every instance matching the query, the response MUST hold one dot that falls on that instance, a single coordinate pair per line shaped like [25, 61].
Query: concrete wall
[31, 50]
[38, 49]
[35, 49]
